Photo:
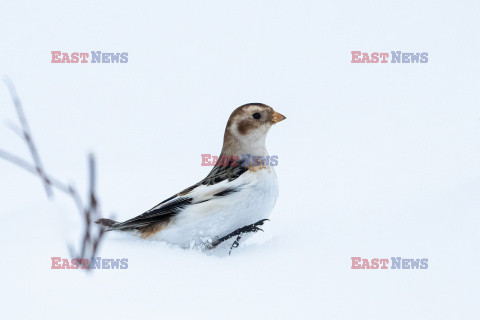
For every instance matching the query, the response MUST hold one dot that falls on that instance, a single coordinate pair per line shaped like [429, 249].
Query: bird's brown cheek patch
[244, 127]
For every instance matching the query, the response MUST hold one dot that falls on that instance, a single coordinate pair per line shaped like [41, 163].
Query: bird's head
[248, 126]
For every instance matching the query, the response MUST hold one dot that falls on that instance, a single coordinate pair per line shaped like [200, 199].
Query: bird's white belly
[218, 217]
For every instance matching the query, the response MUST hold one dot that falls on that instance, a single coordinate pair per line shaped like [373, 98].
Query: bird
[230, 203]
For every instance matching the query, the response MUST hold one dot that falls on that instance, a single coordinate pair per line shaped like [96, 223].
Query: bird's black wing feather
[231, 171]
[168, 208]
[162, 213]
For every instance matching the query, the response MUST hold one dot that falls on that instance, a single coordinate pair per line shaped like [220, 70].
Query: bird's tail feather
[109, 224]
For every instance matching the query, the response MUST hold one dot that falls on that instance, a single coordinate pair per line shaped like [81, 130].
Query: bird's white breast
[222, 215]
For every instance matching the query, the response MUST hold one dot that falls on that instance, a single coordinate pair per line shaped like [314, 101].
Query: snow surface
[374, 160]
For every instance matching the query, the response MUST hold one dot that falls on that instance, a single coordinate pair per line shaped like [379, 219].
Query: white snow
[375, 161]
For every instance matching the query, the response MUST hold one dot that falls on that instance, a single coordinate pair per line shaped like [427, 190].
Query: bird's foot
[238, 233]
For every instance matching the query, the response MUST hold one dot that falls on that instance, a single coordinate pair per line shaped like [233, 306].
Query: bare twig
[33, 170]
[90, 240]
[16, 129]
[27, 135]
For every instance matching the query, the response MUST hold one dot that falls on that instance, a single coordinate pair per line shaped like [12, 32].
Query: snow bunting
[233, 200]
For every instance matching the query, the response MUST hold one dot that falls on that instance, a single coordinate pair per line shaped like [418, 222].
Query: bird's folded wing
[161, 212]
[229, 172]
[219, 183]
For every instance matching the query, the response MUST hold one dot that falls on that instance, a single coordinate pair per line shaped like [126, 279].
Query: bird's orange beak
[277, 117]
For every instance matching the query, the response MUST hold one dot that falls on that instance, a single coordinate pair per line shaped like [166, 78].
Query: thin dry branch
[91, 212]
[27, 136]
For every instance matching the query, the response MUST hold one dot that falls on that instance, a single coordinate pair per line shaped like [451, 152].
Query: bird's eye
[256, 115]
